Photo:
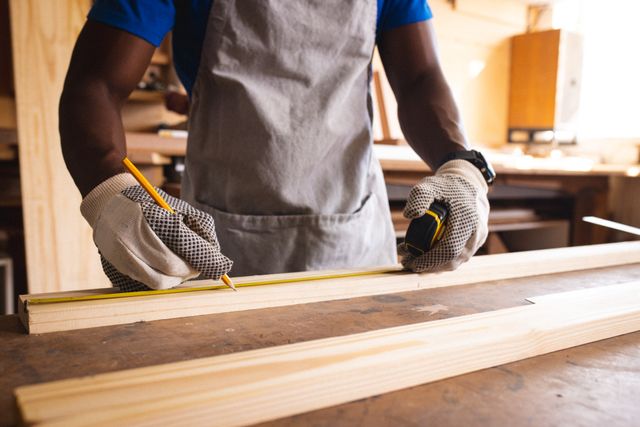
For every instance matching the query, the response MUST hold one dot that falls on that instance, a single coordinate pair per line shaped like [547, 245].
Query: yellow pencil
[133, 170]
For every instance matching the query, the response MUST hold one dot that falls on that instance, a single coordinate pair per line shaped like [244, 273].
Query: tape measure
[424, 232]
[114, 295]
[422, 235]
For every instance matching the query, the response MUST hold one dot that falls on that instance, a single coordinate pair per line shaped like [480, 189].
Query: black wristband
[475, 158]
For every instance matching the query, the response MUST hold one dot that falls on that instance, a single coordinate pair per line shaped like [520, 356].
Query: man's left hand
[462, 188]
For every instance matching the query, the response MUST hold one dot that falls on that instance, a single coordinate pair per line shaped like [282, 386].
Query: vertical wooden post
[60, 252]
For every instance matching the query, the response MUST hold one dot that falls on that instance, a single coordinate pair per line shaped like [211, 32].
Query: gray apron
[279, 149]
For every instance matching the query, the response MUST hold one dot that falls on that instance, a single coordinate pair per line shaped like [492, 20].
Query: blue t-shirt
[151, 20]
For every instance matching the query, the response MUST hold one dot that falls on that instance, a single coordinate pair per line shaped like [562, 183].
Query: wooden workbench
[588, 385]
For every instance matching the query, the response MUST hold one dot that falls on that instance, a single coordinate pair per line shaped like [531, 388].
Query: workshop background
[548, 91]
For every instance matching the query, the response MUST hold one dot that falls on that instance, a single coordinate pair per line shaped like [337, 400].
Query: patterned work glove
[462, 188]
[143, 246]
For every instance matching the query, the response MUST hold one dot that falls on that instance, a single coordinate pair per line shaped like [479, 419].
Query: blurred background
[548, 90]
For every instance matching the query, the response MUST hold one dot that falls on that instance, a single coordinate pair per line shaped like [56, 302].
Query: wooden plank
[56, 235]
[148, 158]
[381, 105]
[151, 142]
[597, 293]
[147, 96]
[146, 116]
[511, 394]
[528, 225]
[261, 385]
[43, 318]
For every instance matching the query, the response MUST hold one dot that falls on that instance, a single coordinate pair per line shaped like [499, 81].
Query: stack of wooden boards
[260, 385]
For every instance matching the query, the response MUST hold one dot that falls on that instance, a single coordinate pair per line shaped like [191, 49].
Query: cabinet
[544, 89]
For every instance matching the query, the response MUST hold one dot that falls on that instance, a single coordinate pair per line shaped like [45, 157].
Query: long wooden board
[260, 385]
[60, 252]
[43, 318]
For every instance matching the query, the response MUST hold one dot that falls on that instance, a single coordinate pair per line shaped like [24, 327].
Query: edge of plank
[270, 383]
[43, 318]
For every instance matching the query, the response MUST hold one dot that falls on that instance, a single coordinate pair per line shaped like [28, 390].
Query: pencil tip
[227, 281]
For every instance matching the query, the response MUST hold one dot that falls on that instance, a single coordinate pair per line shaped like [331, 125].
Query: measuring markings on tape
[115, 295]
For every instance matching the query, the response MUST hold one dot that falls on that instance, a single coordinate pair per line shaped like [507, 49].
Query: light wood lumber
[266, 384]
[152, 142]
[593, 293]
[60, 252]
[43, 318]
[148, 158]
[381, 105]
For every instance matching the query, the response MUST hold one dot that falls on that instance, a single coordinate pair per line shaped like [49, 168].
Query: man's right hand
[144, 246]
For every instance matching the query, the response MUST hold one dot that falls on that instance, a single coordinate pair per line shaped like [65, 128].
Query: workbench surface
[594, 384]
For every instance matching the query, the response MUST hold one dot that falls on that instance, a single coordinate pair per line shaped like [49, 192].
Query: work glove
[143, 246]
[462, 188]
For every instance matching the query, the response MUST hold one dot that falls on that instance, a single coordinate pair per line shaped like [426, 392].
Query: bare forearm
[430, 119]
[92, 135]
[105, 67]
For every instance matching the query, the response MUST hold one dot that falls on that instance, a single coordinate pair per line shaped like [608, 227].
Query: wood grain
[534, 78]
[381, 105]
[59, 248]
[568, 387]
[43, 318]
[261, 385]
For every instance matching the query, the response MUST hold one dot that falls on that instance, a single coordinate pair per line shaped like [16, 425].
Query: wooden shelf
[151, 142]
[8, 144]
[160, 58]
[8, 136]
[10, 202]
[7, 112]
[147, 96]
